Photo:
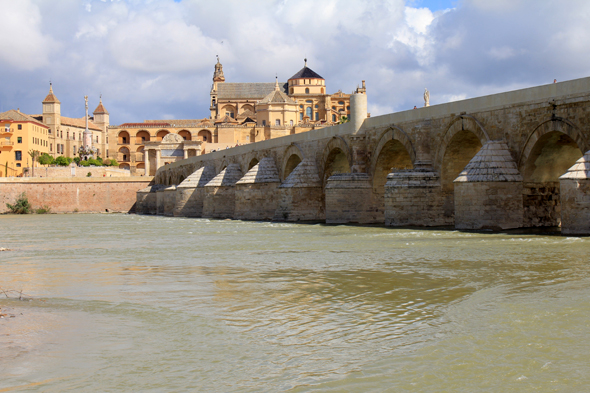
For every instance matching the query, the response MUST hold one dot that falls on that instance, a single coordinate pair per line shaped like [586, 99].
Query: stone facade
[430, 166]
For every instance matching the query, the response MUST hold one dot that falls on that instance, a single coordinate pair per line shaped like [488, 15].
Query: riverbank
[74, 195]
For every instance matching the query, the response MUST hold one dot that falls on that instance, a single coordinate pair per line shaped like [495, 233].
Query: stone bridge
[502, 161]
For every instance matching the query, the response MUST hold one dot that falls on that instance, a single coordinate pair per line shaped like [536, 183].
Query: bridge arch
[460, 142]
[393, 151]
[292, 156]
[336, 158]
[551, 148]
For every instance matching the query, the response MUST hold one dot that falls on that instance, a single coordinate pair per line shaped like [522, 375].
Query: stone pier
[575, 198]
[220, 192]
[191, 193]
[257, 194]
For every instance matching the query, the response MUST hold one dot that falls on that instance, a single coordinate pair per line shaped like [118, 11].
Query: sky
[154, 59]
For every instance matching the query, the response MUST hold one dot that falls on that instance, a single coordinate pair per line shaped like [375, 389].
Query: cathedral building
[240, 113]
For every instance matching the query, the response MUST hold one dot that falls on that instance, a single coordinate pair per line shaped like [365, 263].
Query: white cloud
[154, 58]
[22, 44]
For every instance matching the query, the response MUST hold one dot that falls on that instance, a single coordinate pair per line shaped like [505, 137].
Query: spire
[305, 62]
[51, 98]
[277, 83]
[218, 74]
[100, 109]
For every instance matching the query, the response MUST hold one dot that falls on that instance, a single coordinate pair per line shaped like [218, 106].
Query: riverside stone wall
[84, 195]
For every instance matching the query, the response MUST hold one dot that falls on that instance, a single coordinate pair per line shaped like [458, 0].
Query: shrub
[46, 159]
[89, 174]
[62, 161]
[21, 205]
[85, 163]
[94, 162]
[77, 160]
[43, 210]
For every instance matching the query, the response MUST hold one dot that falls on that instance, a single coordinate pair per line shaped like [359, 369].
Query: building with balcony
[20, 134]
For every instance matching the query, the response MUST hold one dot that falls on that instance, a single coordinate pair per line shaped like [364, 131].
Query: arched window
[291, 90]
[322, 90]
[301, 116]
[317, 115]
[307, 90]
[334, 118]
[308, 112]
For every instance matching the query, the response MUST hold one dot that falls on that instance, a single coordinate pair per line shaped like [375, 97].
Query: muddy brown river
[139, 303]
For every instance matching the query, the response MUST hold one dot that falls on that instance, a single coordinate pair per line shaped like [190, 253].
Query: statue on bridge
[426, 97]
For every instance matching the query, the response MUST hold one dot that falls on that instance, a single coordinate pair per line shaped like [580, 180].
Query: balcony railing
[6, 143]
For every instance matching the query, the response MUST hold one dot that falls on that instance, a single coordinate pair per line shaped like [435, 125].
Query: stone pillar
[488, 192]
[185, 151]
[169, 195]
[146, 202]
[257, 192]
[359, 153]
[191, 193]
[575, 198]
[413, 197]
[158, 153]
[300, 195]
[160, 200]
[146, 159]
[349, 199]
[219, 199]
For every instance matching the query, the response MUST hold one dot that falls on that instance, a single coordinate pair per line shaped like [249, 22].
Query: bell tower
[51, 111]
[217, 78]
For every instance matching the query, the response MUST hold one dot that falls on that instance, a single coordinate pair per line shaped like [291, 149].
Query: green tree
[62, 161]
[343, 119]
[46, 159]
[21, 205]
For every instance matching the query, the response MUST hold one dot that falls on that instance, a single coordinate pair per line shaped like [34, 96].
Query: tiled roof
[80, 123]
[145, 124]
[100, 109]
[253, 91]
[226, 119]
[16, 116]
[306, 72]
[277, 97]
[51, 98]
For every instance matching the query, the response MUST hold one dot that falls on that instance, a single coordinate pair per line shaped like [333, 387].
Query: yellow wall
[31, 136]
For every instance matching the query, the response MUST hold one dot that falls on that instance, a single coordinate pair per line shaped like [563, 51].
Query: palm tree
[34, 155]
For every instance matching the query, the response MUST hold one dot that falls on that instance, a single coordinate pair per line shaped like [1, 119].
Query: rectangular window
[74, 150]
[291, 122]
[18, 155]
[51, 147]
[18, 165]
[263, 122]
[19, 139]
[317, 116]
[278, 122]
[20, 126]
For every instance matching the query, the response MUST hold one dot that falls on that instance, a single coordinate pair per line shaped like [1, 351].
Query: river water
[141, 303]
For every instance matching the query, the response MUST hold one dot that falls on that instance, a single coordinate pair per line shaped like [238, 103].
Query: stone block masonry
[83, 195]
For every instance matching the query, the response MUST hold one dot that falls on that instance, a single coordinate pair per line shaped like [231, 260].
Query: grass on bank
[23, 206]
